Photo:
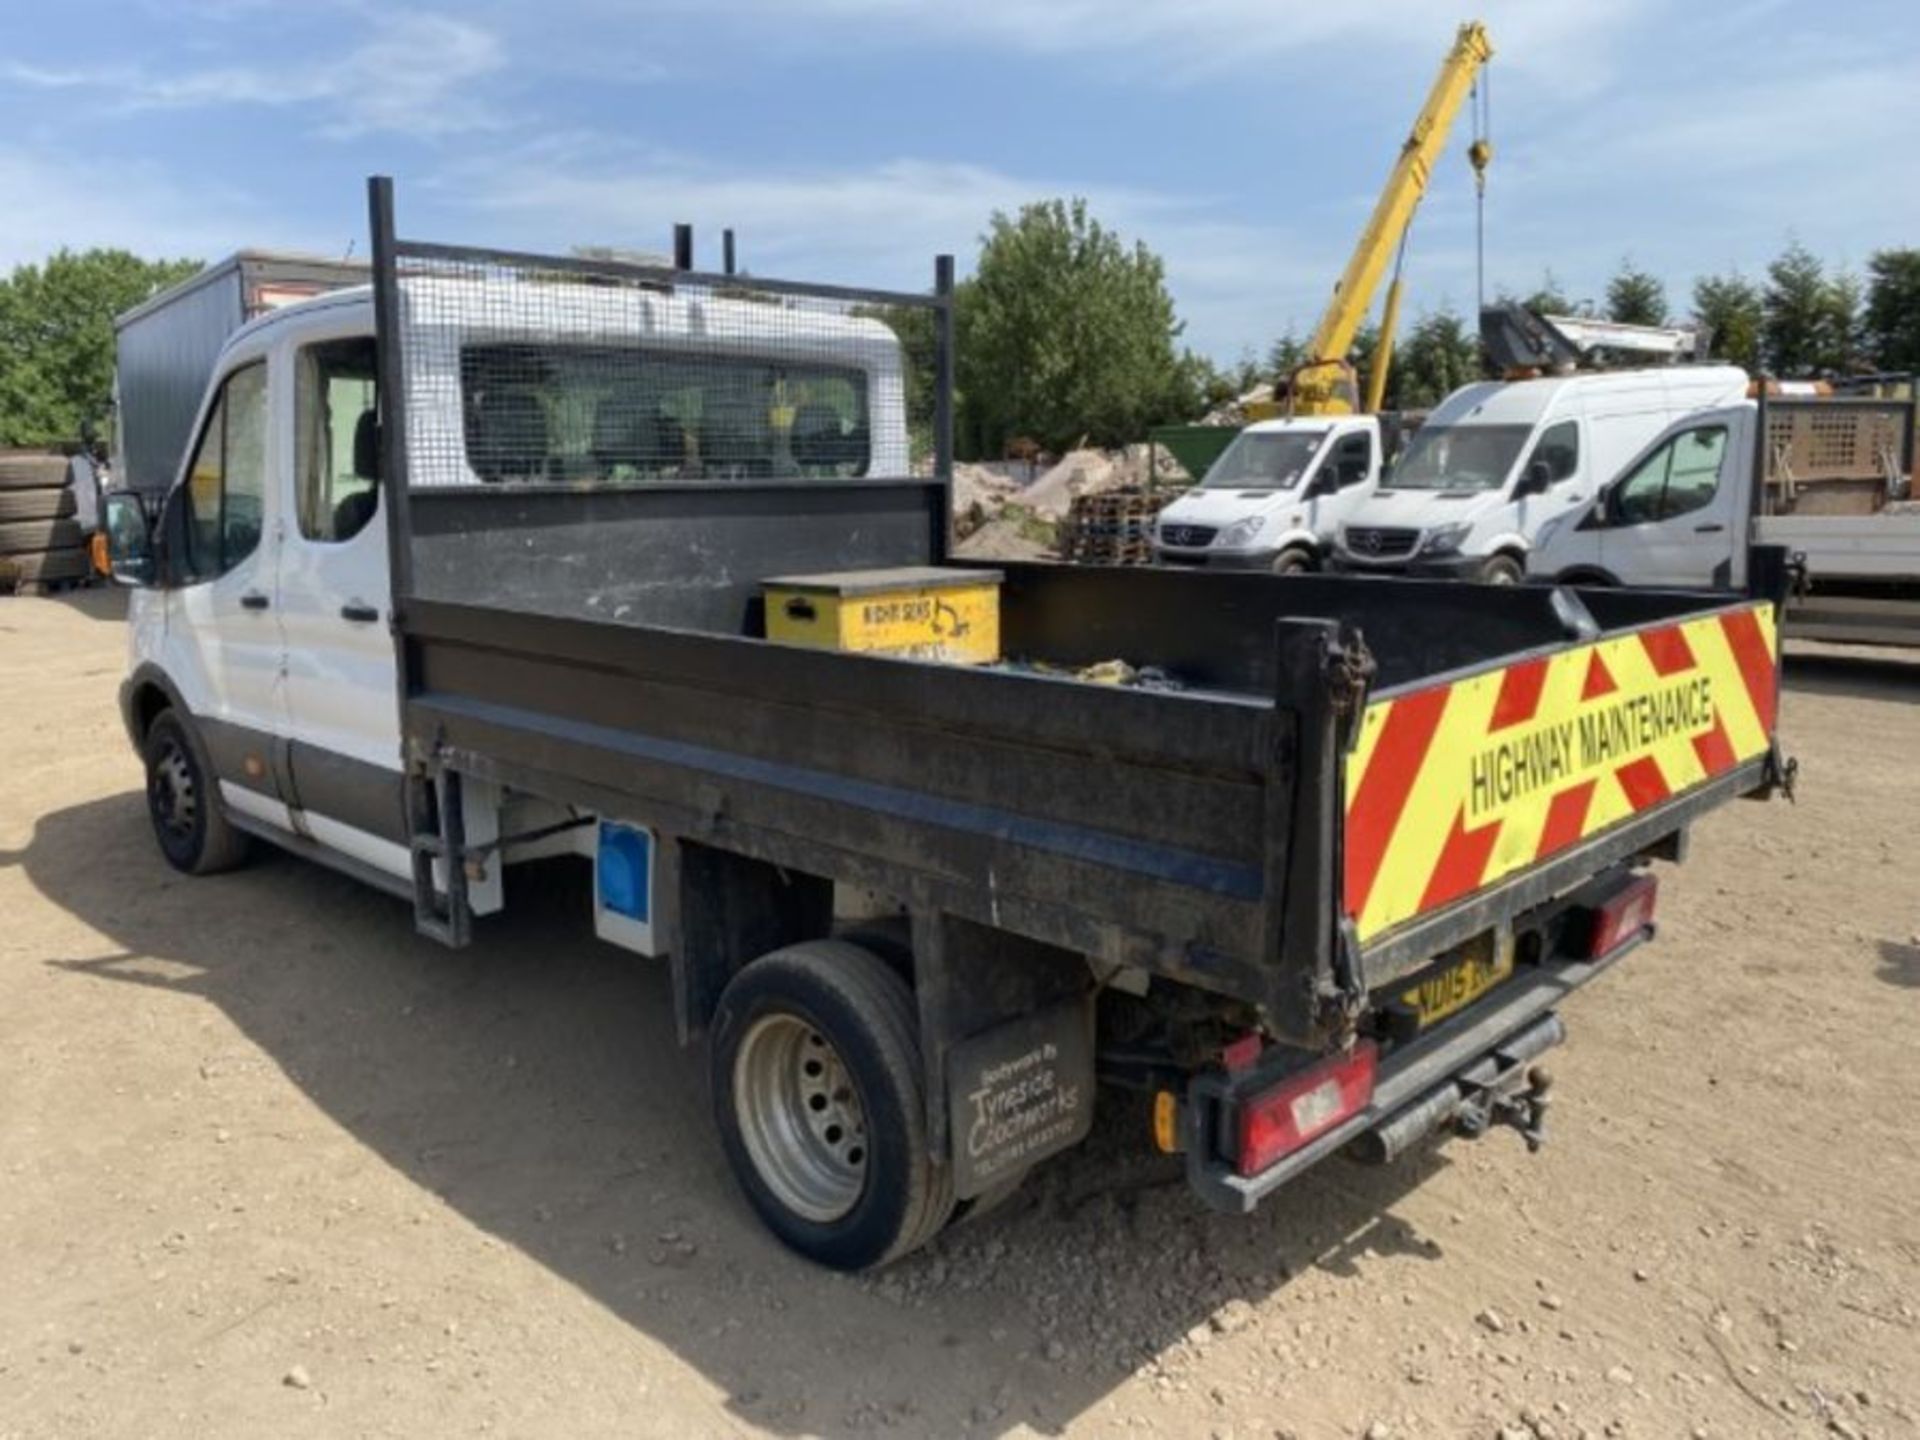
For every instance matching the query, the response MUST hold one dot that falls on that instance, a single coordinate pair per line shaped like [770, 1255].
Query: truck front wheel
[820, 1097]
[181, 801]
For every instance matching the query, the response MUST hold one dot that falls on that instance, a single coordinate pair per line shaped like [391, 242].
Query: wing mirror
[1536, 481]
[130, 553]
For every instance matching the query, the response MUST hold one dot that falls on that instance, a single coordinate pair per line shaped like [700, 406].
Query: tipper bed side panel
[1144, 814]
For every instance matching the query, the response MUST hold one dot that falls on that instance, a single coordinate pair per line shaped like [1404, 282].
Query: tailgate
[1464, 786]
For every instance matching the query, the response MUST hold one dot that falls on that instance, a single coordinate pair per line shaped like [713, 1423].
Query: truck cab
[1275, 497]
[1833, 485]
[1499, 461]
[1676, 516]
[268, 617]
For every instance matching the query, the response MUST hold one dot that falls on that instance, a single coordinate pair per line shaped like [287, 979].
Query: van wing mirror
[1537, 479]
[130, 548]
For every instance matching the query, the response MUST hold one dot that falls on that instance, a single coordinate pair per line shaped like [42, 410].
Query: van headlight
[1446, 539]
[1242, 533]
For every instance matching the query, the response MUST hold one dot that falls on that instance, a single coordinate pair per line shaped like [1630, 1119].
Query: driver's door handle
[360, 614]
[1708, 529]
[254, 600]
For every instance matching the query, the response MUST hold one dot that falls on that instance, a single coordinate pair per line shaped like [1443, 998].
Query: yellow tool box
[920, 612]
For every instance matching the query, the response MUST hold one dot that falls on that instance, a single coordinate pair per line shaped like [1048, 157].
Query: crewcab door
[1675, 517]
[335, 603]
[226, 650]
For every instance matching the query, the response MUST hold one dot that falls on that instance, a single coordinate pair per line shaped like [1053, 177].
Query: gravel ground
[271, 1165]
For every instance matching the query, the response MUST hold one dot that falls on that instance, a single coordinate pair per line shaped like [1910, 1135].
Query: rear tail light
[1623, 915]
[1277, 1122]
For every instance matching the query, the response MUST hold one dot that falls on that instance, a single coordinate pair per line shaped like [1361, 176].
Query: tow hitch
[1503, 1102]
[1502, 1087]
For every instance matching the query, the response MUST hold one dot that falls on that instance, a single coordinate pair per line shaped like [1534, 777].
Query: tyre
[23, 536]
[820, 1097]
[1293, 562]
[1501, 570]
[183, 802]
[32, 472]
[35, 504]
[48, 566]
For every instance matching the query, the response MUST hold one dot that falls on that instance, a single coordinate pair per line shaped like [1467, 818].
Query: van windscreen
[1458, 457]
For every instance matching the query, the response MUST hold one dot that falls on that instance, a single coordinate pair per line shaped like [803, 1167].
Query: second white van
[1497, 460]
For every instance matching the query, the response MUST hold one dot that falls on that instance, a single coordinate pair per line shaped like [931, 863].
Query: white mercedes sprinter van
[1276, 496]
[1497, 460]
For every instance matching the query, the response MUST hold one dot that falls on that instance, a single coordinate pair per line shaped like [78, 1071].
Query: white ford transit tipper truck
[472, 570]
[1496, 461]
[1275, 498]
[1832, 484]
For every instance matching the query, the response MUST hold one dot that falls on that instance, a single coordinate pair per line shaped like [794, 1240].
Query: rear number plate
[1484, 962]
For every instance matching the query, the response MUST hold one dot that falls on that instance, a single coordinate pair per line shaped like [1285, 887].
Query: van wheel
[820, 1097]
[1501, 570]
[183, 804]
[1292, 562]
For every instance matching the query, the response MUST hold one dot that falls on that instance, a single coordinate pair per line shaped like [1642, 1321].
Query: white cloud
[413, 73]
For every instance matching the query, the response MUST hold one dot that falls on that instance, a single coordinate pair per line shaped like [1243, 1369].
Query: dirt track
[270, 1165]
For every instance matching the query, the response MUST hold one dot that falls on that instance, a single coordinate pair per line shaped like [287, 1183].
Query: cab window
[226, 484]
[1678, 478]
[1352, 459]
[1559, 450]
[334, 416]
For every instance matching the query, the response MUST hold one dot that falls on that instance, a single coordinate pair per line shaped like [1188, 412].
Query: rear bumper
[1414, 1088]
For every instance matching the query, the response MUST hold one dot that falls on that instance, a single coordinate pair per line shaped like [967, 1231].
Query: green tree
[1798, 312]
[1843, 344]
[1892, 320]
[1065, 333]
[1438, 356]
[56, 338]
[1733, 311]
[1636, 297]
[1550, 298]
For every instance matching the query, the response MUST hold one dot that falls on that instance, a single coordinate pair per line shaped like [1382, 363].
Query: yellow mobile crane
[1325, 384]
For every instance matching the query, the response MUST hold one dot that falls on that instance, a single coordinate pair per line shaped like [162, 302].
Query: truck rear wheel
[820, 1097]
[183, 803]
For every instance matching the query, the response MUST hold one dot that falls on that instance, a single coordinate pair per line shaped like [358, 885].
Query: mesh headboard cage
[593, 434]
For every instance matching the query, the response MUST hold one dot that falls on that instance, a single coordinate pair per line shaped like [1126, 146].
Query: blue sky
[851, 139]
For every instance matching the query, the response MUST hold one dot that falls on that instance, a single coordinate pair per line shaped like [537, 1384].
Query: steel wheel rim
[171, 793]
[800, 1117]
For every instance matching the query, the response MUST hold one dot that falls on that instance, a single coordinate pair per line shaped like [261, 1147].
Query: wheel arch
[143, 695]
[1591, 575]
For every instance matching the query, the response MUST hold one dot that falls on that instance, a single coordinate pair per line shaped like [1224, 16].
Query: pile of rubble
[998, 513]
[1234, 412]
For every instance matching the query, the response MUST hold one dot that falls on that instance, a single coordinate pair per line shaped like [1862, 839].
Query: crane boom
[1318, 386]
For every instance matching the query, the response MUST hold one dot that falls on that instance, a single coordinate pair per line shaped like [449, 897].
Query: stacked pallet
[1114, 528]
[42, 544]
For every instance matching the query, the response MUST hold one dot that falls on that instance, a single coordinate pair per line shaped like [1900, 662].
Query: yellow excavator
[1326, 384]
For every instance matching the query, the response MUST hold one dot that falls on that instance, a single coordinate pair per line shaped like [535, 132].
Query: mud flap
[1018, 1093]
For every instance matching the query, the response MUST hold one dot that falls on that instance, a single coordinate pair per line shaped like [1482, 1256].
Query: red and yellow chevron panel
[1453, 787]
